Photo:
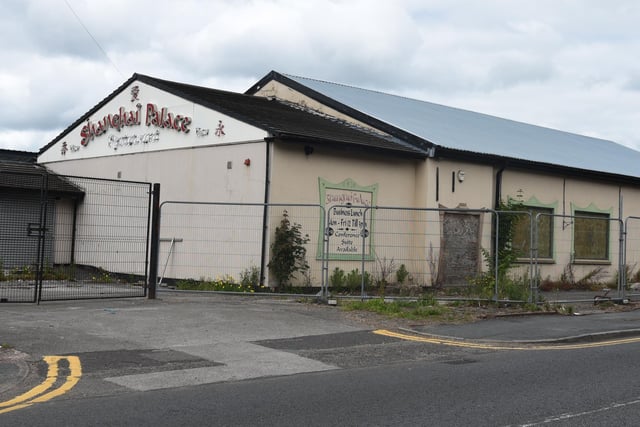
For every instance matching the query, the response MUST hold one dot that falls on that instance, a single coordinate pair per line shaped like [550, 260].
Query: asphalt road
[456, 387]
[225, 361]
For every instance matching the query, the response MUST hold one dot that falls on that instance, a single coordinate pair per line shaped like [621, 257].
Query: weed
[401, 274]
[421, 309]
[250, 277]
[354, 280]
[337, 278]
[102, 276]
[225, 283]
[384, 268]
[433, 261]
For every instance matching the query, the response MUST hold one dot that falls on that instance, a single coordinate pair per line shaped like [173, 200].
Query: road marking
[39, 393]
[503, 346]
[567, 416]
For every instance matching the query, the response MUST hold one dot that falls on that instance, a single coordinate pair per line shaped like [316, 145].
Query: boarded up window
[460, 257]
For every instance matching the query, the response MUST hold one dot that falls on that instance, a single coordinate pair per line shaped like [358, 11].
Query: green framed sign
[346, 203]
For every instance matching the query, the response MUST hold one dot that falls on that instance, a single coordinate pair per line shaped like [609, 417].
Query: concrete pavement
[542, 328]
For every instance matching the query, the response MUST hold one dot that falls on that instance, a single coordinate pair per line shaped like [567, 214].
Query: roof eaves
[510, 162]
[347, 145]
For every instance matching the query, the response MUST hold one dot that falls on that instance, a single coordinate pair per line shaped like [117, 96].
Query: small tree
[288, 254]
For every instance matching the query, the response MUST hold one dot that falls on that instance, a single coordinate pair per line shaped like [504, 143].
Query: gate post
[155, 242]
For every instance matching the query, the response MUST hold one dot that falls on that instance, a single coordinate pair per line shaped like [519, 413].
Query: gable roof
[467, 132]
[285, 121]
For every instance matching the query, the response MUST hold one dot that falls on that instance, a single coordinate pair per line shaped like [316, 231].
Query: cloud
[548, 62]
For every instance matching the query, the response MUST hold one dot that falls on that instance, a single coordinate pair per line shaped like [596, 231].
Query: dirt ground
[478, 312]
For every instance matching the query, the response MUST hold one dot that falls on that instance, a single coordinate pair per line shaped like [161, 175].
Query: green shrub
[354, 280]
[288, 253]
[337, 278]
[401, 274]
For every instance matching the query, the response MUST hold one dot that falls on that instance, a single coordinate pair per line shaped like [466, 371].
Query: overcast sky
[572, 65]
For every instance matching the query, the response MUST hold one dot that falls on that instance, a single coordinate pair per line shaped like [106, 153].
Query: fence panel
[631, 283]
[403, 250]
[99, 239]
[25, 217]
[223, 246]
[578, 253]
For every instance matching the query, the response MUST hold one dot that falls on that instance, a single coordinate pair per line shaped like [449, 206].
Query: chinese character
[220, 129]
[135, 91]
[202, 132]
[64, 148]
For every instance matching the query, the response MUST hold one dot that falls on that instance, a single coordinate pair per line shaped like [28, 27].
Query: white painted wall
[143, 137]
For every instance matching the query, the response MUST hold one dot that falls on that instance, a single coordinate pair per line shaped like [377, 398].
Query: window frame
[580, 215]
[545, 211]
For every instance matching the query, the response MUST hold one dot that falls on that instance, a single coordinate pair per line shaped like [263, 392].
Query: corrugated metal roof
[483, 134]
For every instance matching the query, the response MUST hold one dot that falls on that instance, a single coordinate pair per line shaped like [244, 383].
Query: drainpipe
[498, 188]
[496, 204]
[265, 212]
[494, 232]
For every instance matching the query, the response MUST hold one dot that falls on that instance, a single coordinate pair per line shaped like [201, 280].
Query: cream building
[420, 177]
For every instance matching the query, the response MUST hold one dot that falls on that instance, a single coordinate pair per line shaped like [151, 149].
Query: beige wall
[295, 178]
[294, 175]
[565, 195]
[475, 191]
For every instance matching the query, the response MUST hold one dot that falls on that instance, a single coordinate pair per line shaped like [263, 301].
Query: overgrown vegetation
[28, 272]
[591, 281]
[402, 274]
[509, 286]
[250, 277]
[426, 307]
[288, 252]
[351, 282]
[225, 283]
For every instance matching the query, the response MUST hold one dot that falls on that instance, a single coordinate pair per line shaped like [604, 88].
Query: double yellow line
[41, 392]
[503, 346]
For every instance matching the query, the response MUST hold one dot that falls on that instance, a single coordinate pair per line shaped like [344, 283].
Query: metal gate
[66, 237]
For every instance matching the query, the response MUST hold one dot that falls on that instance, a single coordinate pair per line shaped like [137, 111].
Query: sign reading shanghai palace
[347, 206]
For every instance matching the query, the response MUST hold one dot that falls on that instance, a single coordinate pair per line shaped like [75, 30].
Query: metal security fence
[355, 249]
[581, 253]
[25, 217]
[407, 248]
[374, 251]
[630, 286]
[72, 237]
[231, 246]
[404, 251]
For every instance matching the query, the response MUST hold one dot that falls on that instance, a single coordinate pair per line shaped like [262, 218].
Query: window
[591, 236]
[522, 232]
